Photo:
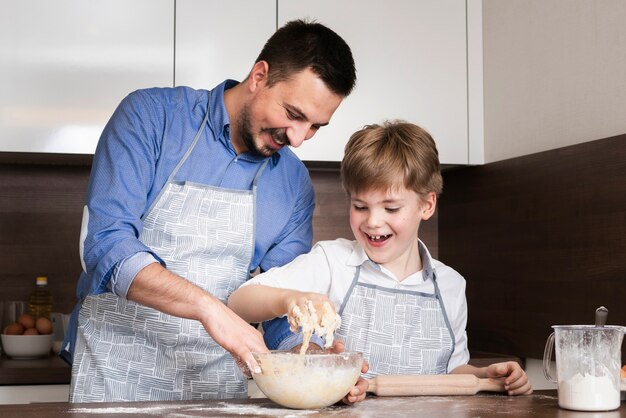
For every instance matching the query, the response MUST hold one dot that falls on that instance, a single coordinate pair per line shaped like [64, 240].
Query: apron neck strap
[355, 280]
[194, 142]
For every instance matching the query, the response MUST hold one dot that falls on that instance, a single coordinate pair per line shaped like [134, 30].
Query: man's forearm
[159, 288]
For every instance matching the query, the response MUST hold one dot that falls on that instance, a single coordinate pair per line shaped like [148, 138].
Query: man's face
[288, 113]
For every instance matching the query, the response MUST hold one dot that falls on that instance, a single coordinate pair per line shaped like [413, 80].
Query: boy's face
[385, 223]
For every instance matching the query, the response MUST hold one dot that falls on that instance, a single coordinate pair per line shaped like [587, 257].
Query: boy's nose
[374, 219]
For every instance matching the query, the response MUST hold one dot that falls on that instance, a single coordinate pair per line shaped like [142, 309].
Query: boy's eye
[392, 210]
[359, 208]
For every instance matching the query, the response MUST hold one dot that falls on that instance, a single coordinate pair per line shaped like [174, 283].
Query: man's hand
[238, 337]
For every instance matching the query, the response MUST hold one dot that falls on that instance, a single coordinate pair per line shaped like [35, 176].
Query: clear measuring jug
[588, 366]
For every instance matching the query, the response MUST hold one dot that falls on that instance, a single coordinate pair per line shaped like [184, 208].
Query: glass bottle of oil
[41, 299]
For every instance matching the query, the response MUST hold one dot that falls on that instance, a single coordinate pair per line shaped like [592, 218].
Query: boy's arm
[515, 379]
[257, 303]
[479, 372]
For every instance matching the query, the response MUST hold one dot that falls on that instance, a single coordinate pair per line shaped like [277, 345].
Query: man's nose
[299, 133]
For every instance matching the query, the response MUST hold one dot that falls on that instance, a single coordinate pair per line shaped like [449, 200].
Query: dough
[310, 322]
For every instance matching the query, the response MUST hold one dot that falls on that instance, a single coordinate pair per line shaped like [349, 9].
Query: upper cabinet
[66, 64]
[411, 60]
[489, 79]
[217, 39]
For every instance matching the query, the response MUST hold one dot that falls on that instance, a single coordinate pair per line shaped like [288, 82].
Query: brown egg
[14, 329]
[44, 325]
[27, 320]
[31, 331]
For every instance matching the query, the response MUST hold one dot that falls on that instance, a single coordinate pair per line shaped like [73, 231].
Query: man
[190, 191]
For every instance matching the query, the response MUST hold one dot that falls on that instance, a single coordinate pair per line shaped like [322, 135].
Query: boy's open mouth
[378, 238]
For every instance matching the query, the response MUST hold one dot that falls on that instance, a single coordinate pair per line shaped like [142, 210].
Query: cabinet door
[411, 64]
[66, 64]
[216, 39]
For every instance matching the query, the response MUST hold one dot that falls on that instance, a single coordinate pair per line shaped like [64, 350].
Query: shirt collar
[428, 271]
[219, 123]
[359, 257]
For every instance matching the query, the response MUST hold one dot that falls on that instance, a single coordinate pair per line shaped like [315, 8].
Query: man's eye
[292, 115]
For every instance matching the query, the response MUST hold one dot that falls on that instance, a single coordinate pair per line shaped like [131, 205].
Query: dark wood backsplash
[541, 241]
[40, 216]
[41, 202]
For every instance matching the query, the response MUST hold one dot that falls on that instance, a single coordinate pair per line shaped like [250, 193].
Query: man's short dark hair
[299, 45]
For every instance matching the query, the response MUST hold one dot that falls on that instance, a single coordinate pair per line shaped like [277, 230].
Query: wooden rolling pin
[443, 384]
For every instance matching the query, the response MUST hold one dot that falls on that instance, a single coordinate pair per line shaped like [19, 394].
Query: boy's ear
[429, 204]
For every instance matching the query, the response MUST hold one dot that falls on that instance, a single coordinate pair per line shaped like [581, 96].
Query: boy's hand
[302, 300]
[515, 379]
[358, 392]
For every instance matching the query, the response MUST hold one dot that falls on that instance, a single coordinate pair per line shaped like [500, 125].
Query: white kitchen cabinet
[216, 40]
[411, 60]
[66, 64]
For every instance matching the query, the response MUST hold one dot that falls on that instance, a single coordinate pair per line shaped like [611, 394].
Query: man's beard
[245, 128]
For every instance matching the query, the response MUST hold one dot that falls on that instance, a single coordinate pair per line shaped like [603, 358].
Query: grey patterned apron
[398, 331]
[129, 352]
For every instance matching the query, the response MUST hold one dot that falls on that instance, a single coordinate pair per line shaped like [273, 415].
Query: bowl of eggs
[28, 337]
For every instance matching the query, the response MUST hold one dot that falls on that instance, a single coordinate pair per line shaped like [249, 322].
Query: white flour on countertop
[121, 410]
[198, 410]
[246, 409]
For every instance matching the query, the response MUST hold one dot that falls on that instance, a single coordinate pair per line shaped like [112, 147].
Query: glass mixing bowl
[308, 381]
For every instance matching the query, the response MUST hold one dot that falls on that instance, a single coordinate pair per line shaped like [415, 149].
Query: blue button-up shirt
[140, 146]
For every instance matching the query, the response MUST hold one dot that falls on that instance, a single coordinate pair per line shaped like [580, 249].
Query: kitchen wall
[553, 74]
[41, 201]
[541, 241]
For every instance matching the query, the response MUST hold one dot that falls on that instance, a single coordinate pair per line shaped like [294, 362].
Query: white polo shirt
[330, 267]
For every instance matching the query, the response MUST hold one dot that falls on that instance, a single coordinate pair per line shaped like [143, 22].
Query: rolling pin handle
[491, 385]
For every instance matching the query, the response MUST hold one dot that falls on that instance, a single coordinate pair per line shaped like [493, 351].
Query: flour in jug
[589, 393]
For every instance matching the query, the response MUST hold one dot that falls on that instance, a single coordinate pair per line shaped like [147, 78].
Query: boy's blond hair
[397, 153]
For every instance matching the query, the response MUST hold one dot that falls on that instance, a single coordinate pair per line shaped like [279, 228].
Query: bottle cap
[42, 280]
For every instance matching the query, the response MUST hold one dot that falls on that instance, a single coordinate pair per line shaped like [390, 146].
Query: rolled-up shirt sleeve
[126, 270]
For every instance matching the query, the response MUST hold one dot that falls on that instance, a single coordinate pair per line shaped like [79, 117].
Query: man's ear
[258, 75]
[429, 204]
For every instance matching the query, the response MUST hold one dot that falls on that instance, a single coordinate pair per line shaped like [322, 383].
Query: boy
[405, 311]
